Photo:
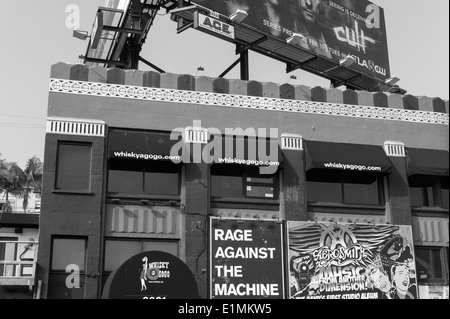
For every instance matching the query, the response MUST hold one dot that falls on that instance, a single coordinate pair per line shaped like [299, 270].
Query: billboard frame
[124, 51]
[295, 57]
[128, 34]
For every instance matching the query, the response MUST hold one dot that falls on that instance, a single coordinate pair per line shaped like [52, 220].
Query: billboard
[331, 29]
[214, 26]
[246, 259]
[350, 261]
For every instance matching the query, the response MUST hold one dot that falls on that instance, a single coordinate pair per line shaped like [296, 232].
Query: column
[398, 207]
[196, 207]
[294, 178]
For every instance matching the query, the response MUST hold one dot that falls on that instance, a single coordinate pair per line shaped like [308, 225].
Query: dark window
[444, 192]
[226, 181]
[68, 254]
[344, 187]
[421, 196]
[73, 166]
[162, 178]
[431, 264]
[428, 191]
[118, 251]
[240, 181]
[446, 265]
[140, 176]
[357, 193]
[126, 176]
[324, 191]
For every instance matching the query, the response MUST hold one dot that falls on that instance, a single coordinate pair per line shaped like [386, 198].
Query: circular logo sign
[151, 275]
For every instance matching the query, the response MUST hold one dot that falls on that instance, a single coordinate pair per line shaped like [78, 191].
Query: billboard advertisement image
[246, 259]
[331, 29]
[350, 261]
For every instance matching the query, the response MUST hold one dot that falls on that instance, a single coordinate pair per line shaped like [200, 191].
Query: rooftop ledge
[81, 72]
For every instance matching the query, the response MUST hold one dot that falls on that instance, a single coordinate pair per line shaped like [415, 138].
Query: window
[126, 176]
[119, 251]
[344, 187]
[162, 178]
[140, 163]
[73, 171]
[432, 264]
[428, 191]
[444, 193]
[8, 251]
[143, 177]
[239, 181]
[67, 254]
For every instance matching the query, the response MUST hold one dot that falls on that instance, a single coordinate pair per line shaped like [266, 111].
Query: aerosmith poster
[350, 261]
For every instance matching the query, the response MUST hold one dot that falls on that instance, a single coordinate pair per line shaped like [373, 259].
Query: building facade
[113, 189]
[19, 233]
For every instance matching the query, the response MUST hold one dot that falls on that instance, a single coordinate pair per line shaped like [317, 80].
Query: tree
[33, 178]
[11, 176]
[21, 182]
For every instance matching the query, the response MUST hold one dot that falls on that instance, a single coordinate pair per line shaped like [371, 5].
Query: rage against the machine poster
[350, 261]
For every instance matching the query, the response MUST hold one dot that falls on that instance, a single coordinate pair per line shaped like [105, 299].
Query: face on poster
[329, 28]
[350, 261]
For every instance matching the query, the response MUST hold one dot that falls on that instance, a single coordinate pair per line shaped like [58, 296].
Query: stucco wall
[167, 115]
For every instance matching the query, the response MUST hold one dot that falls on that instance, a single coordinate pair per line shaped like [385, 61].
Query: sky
[38, 34]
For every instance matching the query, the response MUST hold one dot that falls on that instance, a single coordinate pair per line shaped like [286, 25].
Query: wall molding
[394, 149]
[291, 142]
[73, 126]
[245, 102]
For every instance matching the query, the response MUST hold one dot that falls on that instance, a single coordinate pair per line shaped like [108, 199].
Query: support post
[244, 66]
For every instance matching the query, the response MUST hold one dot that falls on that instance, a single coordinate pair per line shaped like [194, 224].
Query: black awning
[346, 157]
[19, 220]
[127, 144]
[427, 162]
[248, 151]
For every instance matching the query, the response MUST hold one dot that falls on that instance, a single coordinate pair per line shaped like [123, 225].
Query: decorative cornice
[245, 102]
[196, 135]
[72, 126]
[291, 142]
[394, 149]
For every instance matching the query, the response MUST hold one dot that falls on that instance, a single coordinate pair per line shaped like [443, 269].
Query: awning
[346, 157]
[19, 220]
[427, 162]
[126, 144]
[247, 151]
[227, 150]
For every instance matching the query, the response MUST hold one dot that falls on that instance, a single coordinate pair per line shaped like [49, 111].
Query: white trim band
[246, 102]
[72, 126]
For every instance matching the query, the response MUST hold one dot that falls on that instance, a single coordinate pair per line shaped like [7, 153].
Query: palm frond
[33, 169]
